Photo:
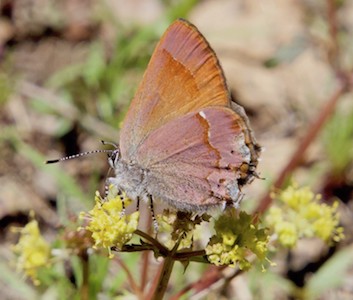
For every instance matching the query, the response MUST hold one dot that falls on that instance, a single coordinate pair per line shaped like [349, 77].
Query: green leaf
[331, 275]
[94, 66]
[16, 282]
[338, 140]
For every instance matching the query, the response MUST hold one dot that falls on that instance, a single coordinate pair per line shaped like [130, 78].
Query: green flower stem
[136, 248]
[160, 250]
[164, 275]
[195, 256]
[170, 256]
[153, 241]
[84, 290]
[164, 278]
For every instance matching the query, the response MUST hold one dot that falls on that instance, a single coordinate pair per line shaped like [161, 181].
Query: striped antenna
[53, 161]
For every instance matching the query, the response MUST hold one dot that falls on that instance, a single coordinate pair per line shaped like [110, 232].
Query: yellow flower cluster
[179, 227]
[299, 213]
[236, 236]
[32, 251]
[108, 223]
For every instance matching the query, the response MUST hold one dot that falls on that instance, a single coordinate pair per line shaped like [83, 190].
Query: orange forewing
[183, 76]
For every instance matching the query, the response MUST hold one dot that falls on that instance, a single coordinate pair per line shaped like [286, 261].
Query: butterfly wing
[183, 75]
[198, 168]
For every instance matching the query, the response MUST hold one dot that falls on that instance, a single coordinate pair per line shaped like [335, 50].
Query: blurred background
[69, 69]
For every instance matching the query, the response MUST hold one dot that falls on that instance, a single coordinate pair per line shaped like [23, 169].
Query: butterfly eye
[113, 157]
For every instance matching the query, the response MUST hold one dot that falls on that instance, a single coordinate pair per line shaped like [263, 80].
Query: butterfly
[183, 140]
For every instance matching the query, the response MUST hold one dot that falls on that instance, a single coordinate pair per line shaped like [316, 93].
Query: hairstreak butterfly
[183, 140]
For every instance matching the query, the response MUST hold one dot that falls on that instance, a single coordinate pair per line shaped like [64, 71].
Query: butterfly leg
[155, 223]
[106, 189]
[108, 181]
[122, 203]
[138, 204]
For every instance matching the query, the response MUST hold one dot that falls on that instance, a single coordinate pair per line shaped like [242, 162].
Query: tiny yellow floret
[32, 251]
[109, 224]
[299, 213]
[236, 236]
[178, 227]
